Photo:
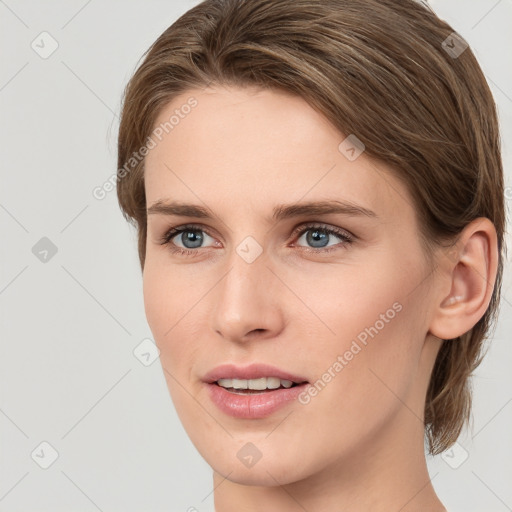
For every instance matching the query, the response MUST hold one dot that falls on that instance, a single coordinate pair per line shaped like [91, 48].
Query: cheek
[166, 312]
[369, 326]
[170, 316]
[350, 302]
[170, 302]
[157, 301]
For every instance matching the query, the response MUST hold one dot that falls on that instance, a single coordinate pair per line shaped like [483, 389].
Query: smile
[252, 392]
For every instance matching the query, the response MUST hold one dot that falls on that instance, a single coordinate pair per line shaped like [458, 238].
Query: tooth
[273, 382]
[225, 383]
[239, 383]
[257, 384]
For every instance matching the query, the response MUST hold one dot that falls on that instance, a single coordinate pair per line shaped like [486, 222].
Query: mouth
[255, 386]
[254, 391]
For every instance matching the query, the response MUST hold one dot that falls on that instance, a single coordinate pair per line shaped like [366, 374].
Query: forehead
[250, 147]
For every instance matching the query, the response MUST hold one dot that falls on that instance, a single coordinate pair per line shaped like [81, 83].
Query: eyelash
[343, 235]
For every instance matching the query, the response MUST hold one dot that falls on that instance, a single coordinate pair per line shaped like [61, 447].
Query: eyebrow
[280, 212]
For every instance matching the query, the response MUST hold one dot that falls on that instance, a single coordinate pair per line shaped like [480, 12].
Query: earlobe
[469, 273]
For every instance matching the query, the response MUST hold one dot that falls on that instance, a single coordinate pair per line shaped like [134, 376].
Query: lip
[253, 371]
[252, 406]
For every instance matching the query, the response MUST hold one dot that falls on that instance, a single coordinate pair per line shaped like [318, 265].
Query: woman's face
[264, 288]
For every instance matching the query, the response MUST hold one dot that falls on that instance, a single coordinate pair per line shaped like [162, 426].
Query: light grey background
[69, 325]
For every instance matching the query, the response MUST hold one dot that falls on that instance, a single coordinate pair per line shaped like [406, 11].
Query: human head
[373, 68]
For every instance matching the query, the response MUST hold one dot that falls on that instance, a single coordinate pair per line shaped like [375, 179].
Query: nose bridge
[244, 302]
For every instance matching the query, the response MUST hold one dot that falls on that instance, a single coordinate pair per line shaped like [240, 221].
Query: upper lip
[252, 371]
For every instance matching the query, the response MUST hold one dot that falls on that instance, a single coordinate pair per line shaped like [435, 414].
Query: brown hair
[377, 69]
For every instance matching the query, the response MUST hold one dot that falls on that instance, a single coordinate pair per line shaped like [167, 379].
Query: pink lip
[253, 371]
[251, 406]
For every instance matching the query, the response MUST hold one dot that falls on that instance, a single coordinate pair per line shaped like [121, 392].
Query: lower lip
[253, 406]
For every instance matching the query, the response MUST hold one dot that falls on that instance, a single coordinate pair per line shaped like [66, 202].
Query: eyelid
[172, 232]
[340, 232]
[346, 236]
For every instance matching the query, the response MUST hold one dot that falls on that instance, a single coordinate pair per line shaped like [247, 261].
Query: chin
[258, 475]
[235, 464]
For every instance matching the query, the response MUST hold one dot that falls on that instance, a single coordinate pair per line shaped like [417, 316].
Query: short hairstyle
[379, 69]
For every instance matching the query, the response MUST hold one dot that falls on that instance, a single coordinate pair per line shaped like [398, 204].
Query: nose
[247, 301]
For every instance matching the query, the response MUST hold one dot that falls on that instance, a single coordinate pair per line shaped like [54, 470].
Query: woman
[318, 193]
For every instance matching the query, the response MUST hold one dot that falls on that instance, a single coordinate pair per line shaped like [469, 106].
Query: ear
[468, 272]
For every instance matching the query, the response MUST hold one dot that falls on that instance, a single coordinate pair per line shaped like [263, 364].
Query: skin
[359, 444]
